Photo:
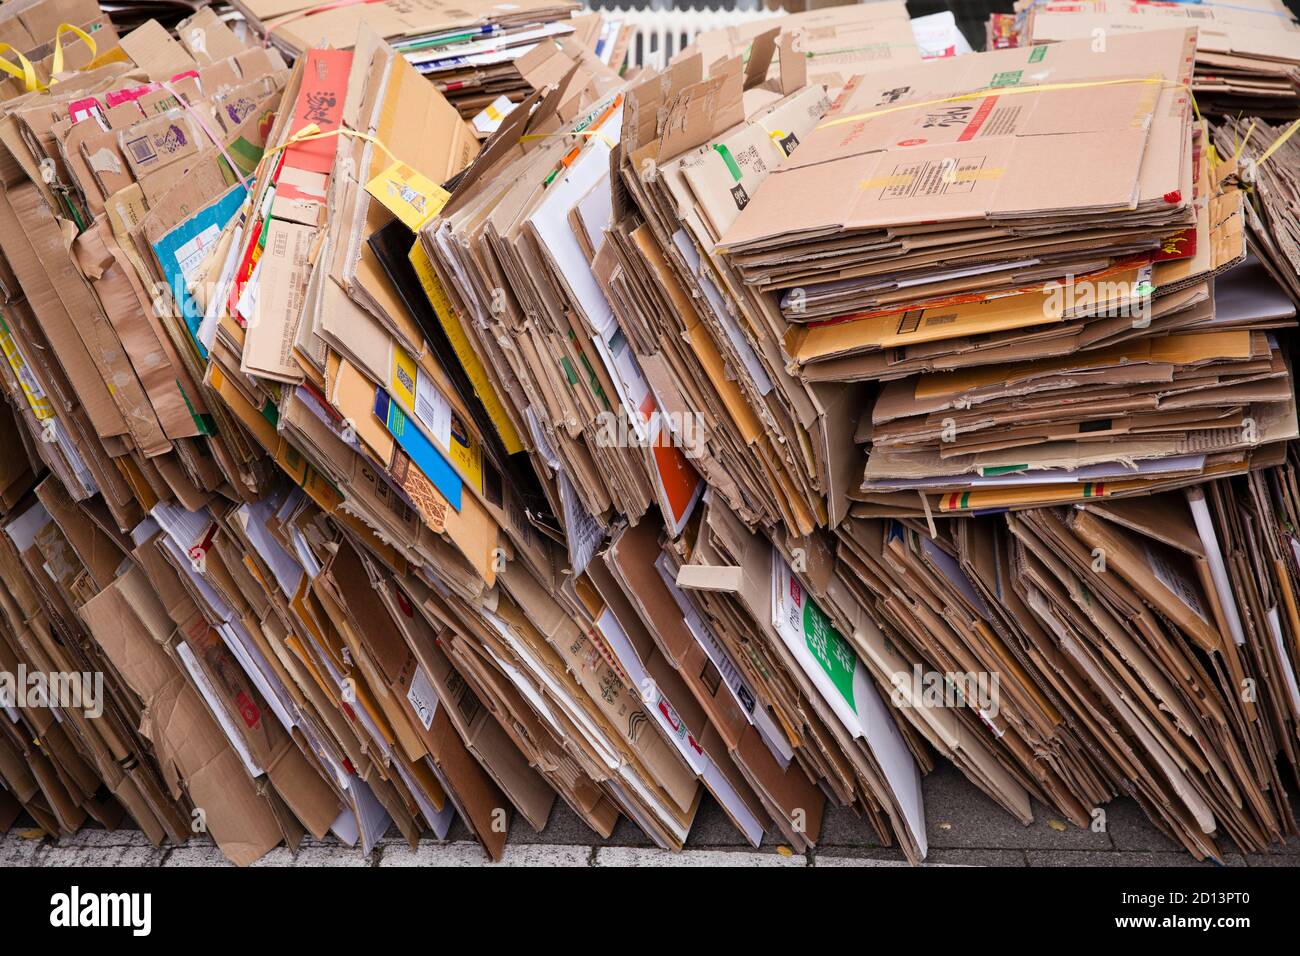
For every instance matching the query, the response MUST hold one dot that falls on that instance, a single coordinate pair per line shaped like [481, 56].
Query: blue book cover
[423, 452]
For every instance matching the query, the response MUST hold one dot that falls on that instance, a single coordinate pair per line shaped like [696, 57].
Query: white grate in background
[660, 34]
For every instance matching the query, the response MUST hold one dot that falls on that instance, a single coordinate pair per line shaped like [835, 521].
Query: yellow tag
[403, 378]
[408, 194]
[466, 454]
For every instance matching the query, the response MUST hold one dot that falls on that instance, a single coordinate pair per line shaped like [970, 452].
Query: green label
[832, 652]
[1009, 78]
[729, 160]
[1037, 54]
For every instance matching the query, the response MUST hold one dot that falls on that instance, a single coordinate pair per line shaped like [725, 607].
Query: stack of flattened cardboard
[1268, 156]
[180, 723]
[477, 53]
[1040, 345]
[387, 463]
[522, 254]
[1141, 646]
[330, 336]
[1247, 53]
[1104, 321]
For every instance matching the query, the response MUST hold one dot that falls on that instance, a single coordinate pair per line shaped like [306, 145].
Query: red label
[248, 710]
[978, 119]
[320, 102]
[1181, 245]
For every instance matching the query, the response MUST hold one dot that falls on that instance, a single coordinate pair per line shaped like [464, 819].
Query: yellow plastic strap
[999, 91]
[23, 71]
[1246, 139]
[1278, 142]
[57, 66]
[312, 131]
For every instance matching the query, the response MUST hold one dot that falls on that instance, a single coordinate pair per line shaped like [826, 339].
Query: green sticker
[831, 651]
[992, 471]
[1037, 53]
[570, 376]
[1009, 78]
[727, 158]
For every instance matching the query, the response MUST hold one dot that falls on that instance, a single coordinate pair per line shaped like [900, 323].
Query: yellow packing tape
[906, 179]
[999, 91]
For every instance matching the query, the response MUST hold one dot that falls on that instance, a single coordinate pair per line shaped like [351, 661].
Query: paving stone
[858, 856]
[1122, 858]
[1131, 829]
[1273, 859]
[851, 856]
[16, 850]
[961, 857]
[430, 853]
[332, 854]
[960, 816]
[653, 856]
[196, 854]
[87, 837]
[712, 827]
[626, 833]
[563, 828]
[143, 854]
[842, 827]
[856, 861]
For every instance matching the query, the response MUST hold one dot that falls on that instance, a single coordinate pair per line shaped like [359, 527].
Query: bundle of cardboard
[954, 230]
[1267, 156]
[1040, 345]
[371, 460]
[1247, 53]
[481, 55]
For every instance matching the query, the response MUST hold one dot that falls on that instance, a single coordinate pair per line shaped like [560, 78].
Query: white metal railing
[660, 34]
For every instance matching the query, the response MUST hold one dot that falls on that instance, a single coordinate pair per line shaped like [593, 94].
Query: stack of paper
[1247, 52]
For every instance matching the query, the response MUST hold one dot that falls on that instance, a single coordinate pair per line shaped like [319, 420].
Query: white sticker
[422, 697]
[190, 256]
[1182, 586]
[432, 409]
